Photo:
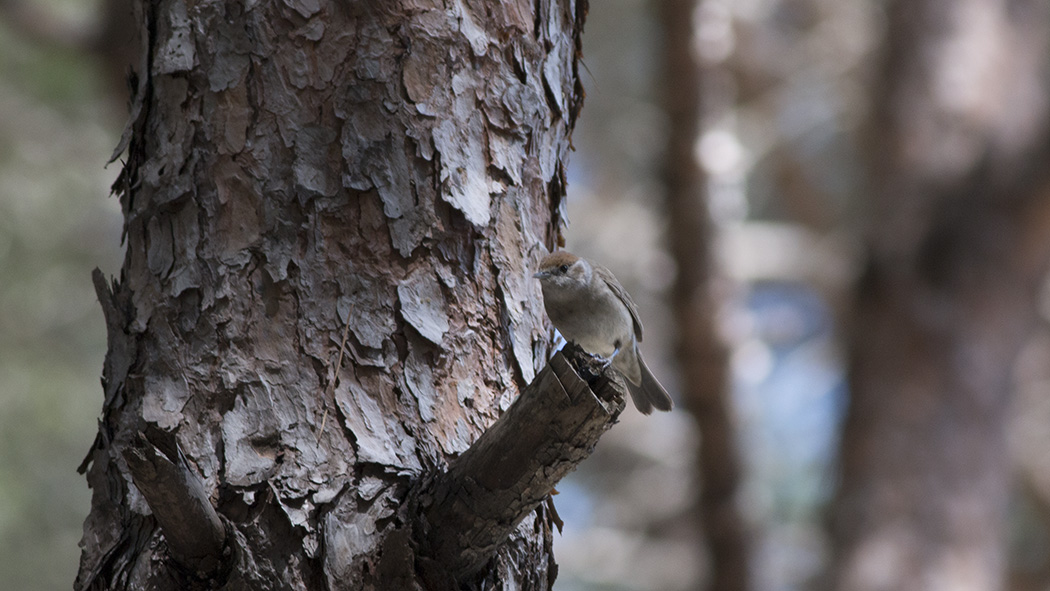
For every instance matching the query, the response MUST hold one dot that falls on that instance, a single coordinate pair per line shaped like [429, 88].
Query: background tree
[956, 249]
[330, 211]
[702, 355]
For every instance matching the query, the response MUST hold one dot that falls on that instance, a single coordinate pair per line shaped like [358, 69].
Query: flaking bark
[300, 171]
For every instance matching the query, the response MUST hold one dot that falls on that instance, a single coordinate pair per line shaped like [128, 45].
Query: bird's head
[563, 269]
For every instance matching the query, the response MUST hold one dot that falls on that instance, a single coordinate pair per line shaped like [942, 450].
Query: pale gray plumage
[590, 308]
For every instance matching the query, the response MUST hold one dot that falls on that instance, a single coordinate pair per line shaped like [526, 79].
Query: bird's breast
[598, 324]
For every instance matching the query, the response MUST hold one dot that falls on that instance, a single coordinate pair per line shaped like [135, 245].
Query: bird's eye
[564, 268]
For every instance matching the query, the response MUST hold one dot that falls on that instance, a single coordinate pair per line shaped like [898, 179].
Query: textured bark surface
[957, 248]
[702, 356]
[307, 183]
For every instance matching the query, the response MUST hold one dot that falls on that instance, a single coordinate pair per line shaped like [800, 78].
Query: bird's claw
[588, 365]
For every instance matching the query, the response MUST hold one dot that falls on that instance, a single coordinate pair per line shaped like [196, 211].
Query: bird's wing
[621, 293]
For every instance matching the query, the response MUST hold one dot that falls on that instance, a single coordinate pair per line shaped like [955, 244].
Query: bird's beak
[540, 274]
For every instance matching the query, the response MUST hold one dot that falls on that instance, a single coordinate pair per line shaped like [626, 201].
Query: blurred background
[857, 320]
[59, 121]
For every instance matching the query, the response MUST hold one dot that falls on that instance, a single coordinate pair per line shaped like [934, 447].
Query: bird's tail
[649, 394]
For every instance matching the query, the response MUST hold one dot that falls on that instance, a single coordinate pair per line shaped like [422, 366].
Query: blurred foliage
[56, 224]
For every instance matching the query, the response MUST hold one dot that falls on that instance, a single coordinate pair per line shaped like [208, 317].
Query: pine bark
[330, 212]
[956, 250]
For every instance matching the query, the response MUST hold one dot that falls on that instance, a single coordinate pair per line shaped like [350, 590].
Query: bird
[589, 307]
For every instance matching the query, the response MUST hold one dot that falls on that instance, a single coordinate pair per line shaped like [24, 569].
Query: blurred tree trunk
[702, 356]
[330, 211]
[956, 249]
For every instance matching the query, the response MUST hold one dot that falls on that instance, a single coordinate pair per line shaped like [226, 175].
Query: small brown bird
[590, 308]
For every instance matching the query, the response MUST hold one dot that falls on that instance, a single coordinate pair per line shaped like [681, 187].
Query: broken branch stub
[194, 532]
[468, 511]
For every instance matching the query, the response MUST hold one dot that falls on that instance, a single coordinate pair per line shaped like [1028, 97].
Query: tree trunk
[957, 247]
[330, 212]
[702, 355]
